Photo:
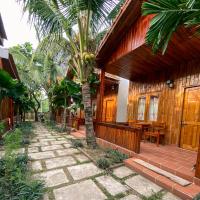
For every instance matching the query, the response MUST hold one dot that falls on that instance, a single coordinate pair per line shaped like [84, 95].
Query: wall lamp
[170, 83]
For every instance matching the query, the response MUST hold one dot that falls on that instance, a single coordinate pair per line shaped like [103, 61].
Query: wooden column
[100, 96]
[197, 173]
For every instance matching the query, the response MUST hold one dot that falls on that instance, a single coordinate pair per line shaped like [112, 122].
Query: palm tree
[169, 16]
[81, 19]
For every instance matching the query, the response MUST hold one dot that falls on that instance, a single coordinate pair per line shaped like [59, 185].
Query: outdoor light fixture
[170, 83]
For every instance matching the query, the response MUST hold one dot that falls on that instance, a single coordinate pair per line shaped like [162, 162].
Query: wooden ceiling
[141, 62]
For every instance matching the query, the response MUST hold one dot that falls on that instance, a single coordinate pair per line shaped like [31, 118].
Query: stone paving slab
[122, 172]
[170, 196]
[82, 158]
[132, 197]
[143, 186]
[39, 144]
[87, 170]
[86, 190]
[41, 155]
[59, 142]
[2, 153]
[60, 162]
[52, 147]
[66, 152]
[111, 185]
[53, 177]
[33, 150]
[36, 166]
[47, 140]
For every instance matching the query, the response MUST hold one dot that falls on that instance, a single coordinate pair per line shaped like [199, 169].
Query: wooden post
[100, 96]
[197, 173]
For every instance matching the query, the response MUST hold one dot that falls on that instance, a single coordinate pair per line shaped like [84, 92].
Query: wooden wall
[170, 100]
[134, 38]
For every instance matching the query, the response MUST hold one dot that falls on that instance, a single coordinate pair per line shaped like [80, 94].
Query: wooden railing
[121, 135]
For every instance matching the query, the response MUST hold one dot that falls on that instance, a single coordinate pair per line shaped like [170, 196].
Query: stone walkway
[70, 175]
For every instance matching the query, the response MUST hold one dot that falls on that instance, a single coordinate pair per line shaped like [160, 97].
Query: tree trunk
[36, 115]
[51, 115]
[90, 137]
[24, 116]
[65, 118]
[18, 115]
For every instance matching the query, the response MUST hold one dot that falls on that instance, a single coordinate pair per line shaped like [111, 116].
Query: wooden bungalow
[163, 98]
[7, 64]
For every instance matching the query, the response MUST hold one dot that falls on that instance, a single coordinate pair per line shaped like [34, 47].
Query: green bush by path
[115, 156]
[15, 176]
[15, 180]
[103, 163]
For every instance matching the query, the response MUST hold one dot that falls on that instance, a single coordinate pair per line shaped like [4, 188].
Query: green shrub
[103, 163]
[77, 143]
[115, 156]
[13, 140]
[15, 182]
[2, 128]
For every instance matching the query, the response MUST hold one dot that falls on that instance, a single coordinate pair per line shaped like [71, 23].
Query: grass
[76, 143]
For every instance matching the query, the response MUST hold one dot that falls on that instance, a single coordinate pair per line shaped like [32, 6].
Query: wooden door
[109, 115]
[190, 126]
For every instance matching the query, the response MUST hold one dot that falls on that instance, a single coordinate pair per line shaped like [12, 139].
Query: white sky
[16, 26]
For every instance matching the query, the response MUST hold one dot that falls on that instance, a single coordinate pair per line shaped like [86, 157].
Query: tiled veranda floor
[171, 158]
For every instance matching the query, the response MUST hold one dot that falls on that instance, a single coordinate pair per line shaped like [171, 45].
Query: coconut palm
[81, 19]
[169, 16]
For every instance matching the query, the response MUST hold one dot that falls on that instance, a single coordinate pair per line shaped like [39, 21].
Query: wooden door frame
[182, 110]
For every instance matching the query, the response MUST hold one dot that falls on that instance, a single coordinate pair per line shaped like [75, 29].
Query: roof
[2, 31]
[128, 14]
[9, 66]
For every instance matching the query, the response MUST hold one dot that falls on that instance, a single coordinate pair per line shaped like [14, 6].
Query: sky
[16, 24]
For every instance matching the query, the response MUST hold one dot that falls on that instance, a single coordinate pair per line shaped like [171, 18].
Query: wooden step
[185, 193]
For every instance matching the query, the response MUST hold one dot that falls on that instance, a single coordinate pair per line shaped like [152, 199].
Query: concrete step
[186, 193]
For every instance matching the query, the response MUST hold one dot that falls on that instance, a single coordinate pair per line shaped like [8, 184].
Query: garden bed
[15, 175]
[103, 158]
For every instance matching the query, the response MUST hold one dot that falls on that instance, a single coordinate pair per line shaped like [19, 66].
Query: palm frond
[169, 16]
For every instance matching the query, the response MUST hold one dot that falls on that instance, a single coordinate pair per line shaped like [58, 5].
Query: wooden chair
[156, 130]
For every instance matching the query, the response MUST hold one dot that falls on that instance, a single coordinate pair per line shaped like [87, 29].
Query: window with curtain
[153, 108]
[141, 108]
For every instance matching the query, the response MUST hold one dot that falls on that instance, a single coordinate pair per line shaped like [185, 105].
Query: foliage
[13, 140]
[15, 179]
[115, 156]
[15, 182]
[66, 89]
[197, 197]
[169, 16]
[2, 128]
[103, 163]
[77, 143]
[10, 87]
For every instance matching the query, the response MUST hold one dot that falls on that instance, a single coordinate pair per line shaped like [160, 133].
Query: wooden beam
[100, 96]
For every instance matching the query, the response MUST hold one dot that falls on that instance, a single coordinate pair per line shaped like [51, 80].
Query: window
[141, 108]
[153, 108]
